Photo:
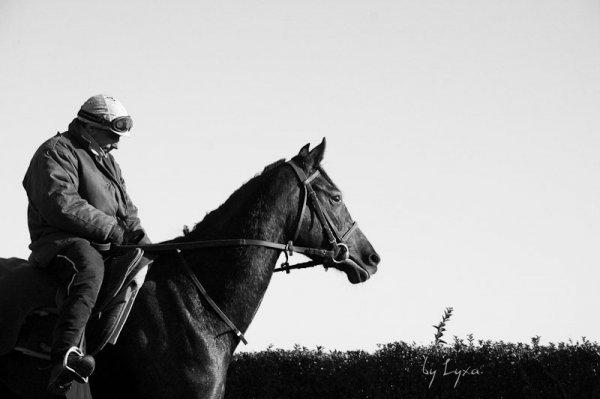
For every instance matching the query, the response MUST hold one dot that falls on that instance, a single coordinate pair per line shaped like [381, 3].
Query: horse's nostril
[374, 259]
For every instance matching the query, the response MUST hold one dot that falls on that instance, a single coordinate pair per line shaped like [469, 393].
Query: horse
[177, 342]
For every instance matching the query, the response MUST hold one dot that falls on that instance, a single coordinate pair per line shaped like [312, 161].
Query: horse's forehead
[326, 178]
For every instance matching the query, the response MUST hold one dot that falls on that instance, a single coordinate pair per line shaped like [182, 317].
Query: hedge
[482, 369]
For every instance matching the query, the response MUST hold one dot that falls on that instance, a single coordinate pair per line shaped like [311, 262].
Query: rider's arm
[132, 223]
[53, 190]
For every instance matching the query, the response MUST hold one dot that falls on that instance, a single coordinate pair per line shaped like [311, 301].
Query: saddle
[30, 298]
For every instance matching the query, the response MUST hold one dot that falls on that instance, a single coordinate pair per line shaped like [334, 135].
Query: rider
[77, 197]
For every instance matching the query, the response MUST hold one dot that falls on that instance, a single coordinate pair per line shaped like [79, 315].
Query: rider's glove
[117, 234]
[134, 237]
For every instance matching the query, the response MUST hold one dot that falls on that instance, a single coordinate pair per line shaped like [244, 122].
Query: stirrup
[76, 374]
[63, 374]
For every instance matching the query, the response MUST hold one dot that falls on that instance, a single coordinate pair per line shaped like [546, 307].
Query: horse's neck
[240, 276]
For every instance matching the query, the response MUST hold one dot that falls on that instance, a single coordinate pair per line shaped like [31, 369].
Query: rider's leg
[82, 268]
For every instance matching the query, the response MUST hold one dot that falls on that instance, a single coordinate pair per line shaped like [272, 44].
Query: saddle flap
[125, 275]
[118, 270]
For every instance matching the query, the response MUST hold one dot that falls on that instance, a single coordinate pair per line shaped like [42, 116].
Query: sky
[464, 135]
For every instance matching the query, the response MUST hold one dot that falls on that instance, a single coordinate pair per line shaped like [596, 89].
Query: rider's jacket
[75, 192]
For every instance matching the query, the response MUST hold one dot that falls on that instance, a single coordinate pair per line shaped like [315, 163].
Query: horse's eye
[336, 199]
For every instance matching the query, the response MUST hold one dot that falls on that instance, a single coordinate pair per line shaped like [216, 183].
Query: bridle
[338, 254]
[336, 240]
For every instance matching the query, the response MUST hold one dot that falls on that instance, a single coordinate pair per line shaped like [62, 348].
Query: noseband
[338, 254]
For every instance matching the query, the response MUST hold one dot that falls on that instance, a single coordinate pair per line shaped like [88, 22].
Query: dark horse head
[353, 254]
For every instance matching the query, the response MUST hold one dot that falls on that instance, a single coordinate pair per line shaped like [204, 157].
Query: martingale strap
[289, 249]
[212, 303]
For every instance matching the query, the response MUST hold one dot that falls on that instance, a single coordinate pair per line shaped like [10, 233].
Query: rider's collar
[92, 145]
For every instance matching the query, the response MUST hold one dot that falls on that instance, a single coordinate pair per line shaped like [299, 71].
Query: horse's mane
[237, 197]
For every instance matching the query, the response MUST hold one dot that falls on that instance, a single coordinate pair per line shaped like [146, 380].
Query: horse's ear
[315, 157]
[304, 151]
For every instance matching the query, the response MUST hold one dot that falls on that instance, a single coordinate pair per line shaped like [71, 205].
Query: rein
[338, 254]
[242, 242]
